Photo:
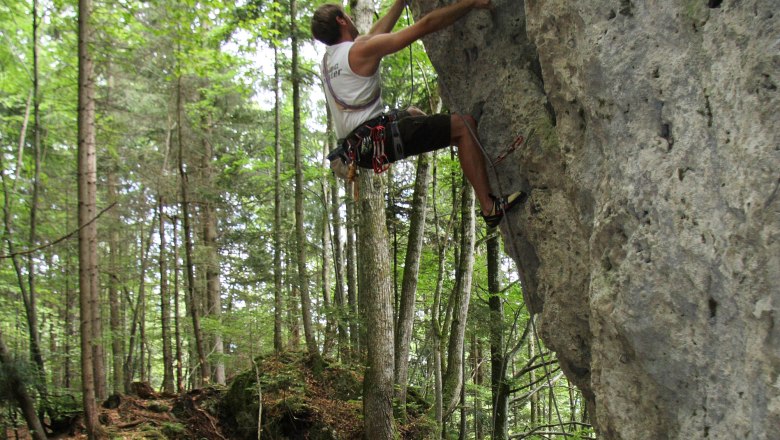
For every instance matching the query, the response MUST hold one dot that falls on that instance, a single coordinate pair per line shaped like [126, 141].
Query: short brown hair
[323, 23]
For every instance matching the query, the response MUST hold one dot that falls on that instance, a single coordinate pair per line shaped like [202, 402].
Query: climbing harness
[367, 146]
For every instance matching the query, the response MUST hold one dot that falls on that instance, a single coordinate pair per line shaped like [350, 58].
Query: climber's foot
[502, 205]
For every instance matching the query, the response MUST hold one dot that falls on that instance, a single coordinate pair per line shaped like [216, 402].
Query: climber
[372, 138]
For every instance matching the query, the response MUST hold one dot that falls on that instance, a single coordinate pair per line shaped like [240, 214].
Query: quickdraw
[519, 140]
[380, 161]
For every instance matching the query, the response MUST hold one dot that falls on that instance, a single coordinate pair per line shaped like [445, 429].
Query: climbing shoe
[501, 205]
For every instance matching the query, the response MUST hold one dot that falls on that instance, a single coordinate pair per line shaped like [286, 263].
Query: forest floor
[297, 403]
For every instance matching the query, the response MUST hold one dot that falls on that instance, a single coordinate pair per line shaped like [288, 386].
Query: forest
[170, 224]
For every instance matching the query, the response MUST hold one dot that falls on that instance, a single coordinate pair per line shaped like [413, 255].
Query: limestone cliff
[649, 246]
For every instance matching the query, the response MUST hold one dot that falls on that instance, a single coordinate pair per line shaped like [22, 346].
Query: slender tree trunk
[478, 381]
[278, 297]
[165, 304]
[16, 386]
[303, 279]
[138, 315]
[69, 304]
[176, 327]
[209, 225]
[327, 262]
[452, 377]
[338, 255]
[410, 277]
[32, 313]
[87, 184]
[535, 417]
[443, 241]
[352, 284]
[117, 332]
[499, 388]
[141, 304]
[205, 369]
[293, 314]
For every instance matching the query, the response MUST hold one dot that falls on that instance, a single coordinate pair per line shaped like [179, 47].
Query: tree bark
[18, 390]
[327, 262]
[443, 241]
[535, 417]
[176, 326]
[410, 277]
[351, 263]
[32, 313]
[452, 378]
[205, 369]
[338, 256]
[376, 289]
[376, 296]
[209, 225]
[87, 197]
[303, 279]
[278, 297]
[137, 322]
[117, 331]
[165, 304]
[499, 388]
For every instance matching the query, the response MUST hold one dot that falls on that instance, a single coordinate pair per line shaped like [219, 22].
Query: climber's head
[331, 25]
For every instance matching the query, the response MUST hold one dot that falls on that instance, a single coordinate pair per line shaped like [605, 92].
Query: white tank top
[350, 88]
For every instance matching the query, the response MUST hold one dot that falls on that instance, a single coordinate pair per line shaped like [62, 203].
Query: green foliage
[173, 430]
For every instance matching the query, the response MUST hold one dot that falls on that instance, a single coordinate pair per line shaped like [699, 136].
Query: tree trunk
[351, 263]
[165, 305]
[452, 377]
[16, 387]
[376, 289]
[278, 297]
[327, 262]
[69, 306]
[209, 225]
[443, 241]
[338, 255]
[499, 388]
[176, 326]
[303, 279]
[87, 190]
[293, 315]
[376, 296]
[117, 331]
[410, 277]
[205, 369]
[32, 313]
[535, 417]
[476, 354]
[138, 315]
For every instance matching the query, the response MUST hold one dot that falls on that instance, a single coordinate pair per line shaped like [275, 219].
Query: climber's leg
[472, 161]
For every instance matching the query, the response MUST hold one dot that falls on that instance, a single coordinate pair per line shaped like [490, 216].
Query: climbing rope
[492, 163]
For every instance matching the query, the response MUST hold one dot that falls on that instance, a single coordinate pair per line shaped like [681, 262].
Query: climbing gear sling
[350, 107]
[367, 145]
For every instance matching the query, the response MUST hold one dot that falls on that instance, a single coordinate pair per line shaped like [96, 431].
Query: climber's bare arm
[388, 21]
[368, 50]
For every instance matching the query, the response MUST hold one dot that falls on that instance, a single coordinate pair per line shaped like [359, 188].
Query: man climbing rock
[371, 138]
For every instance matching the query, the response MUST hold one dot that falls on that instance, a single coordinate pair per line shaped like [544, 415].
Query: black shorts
[419, 134]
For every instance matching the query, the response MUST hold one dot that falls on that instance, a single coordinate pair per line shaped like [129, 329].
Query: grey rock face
[649, 246]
